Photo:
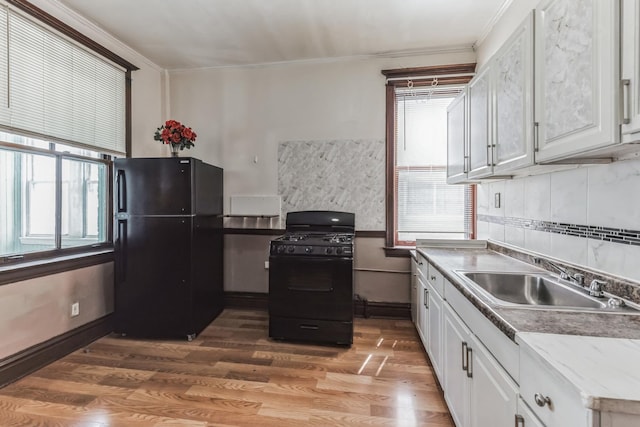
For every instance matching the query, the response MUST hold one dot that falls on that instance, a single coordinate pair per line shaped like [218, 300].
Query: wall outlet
[75, 309]
[266, 265]
[496, 200]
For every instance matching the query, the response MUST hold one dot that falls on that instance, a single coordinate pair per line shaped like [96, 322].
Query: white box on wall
[255, 205]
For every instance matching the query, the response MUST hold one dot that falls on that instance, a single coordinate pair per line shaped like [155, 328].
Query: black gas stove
[315, 244]
[311, 278]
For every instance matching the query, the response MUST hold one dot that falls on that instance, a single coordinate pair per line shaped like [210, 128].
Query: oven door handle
[296, 288]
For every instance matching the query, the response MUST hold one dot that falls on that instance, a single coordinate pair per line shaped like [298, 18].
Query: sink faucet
[596, 288]
[578, 278]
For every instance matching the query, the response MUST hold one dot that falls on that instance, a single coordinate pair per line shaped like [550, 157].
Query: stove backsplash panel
[342, 175]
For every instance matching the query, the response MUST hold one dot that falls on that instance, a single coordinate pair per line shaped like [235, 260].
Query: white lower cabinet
[494, 395]
[478, 391]
[554, 400]
[414, 290]
[422, 315]
[526, 418]
[456, 384]
[435, 314]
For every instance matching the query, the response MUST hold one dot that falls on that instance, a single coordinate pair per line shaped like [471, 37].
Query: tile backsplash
[588, 216]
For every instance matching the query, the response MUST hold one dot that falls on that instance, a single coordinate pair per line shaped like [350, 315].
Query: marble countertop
[596, 352]
[612, 382]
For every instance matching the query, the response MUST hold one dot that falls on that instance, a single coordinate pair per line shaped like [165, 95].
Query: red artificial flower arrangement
[175, 133]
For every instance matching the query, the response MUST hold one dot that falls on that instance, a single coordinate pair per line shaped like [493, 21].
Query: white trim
[63, 10]
[487, 28]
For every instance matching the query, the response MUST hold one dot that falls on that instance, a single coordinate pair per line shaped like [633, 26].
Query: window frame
[456, 74]
[59, 251]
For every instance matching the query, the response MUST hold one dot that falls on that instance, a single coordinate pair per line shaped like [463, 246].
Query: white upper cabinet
[480, 126]
[513, 77]
[630, 14]
[577, 77]
[457, 139]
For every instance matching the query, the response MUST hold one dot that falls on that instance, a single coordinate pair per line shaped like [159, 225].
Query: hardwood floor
[233, 375]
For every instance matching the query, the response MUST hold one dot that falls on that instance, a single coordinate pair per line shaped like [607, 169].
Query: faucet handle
[579, 278]
[596, 288]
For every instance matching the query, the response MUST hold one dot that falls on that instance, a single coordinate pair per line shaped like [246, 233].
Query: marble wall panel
[514, 198]
[569, 248]
[341, 175]
[537, 199]
[614, 195]
[569, 196]
[613, 258]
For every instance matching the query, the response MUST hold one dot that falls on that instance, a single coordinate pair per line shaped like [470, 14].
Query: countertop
[612, 380]
[597, 353]
[513, 320]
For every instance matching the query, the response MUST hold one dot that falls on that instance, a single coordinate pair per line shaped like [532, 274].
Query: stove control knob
[339, 251]
[329, 251]
[280, 249]
[290, 249]
[308, 249]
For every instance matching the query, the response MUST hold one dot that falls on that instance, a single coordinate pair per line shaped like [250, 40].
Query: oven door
[311, 287]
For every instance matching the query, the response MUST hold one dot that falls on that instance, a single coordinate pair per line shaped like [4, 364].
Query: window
[420, 204]
[50, 200]
[64, 108]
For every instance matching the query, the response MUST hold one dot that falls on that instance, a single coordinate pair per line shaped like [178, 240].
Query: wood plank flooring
[233, 375]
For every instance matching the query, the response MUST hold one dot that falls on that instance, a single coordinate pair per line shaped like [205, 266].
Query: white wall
[241, 113]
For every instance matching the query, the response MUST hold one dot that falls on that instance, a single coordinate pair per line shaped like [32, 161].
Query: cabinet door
[435, 331]
[423, 316]
[513, 78]
[577, 69]
[457, 338]
[456, 139]
[414, 291]
[480, 138]
[494, 396]
[630, 15]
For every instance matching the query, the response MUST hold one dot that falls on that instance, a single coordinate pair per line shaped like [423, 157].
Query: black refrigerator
[168, 245]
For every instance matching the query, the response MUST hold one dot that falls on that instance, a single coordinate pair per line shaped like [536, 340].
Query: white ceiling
[179, 34]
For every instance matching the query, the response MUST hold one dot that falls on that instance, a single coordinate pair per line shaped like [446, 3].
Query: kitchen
[332, 101]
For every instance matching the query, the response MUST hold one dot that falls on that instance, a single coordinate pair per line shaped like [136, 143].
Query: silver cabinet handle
[625, 98]
[541, 400]
[469, 362]
[433, 277]
[519, 421]
[465, 363]
[426, 298]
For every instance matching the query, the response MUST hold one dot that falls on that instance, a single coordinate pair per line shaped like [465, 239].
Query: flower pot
[174, 149]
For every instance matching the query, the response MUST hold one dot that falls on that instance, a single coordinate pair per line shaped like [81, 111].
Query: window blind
[427, 207]
[55, 88]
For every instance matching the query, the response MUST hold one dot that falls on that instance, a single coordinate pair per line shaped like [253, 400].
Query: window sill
[44, 267]
[398, 251]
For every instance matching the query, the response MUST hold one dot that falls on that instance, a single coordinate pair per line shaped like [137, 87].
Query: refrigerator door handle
[122, 191]
[122, 250]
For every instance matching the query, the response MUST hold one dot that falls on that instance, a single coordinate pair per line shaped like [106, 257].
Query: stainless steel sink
[536, 290]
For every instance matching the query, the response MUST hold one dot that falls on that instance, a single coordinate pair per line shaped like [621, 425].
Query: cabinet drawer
[499, 345]
[551, 398]
[436, 279]
[423, 268]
